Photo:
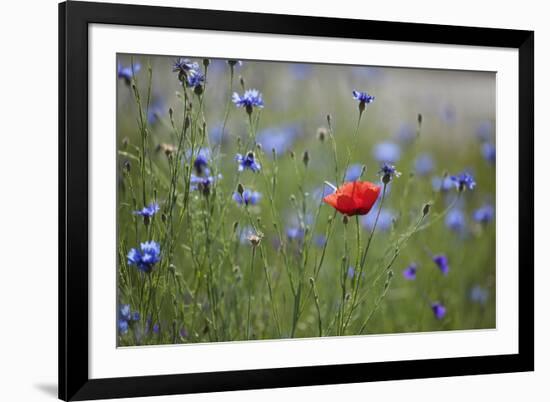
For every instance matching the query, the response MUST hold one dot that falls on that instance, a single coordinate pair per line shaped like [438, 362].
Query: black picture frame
[74, 18]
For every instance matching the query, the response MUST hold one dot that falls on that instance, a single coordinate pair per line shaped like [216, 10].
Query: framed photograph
[257, 201]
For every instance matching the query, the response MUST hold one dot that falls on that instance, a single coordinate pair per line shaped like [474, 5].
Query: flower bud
[426, 209]
[206, 63]
[345, 219]
[321, 134]
[240, 189]
[305, 158]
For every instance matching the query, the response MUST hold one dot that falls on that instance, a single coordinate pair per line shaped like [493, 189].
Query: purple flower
[439, 310]
[200, 164]
[183, 66]
[387, 172]
[363, 98]
[409, 273]
[489, 152]
[406, 134]
[156, 110]
[464, 181]
[442, 263]
[248, 197]
[123, 327]
[385, 220]
[149, 210]
[146, 257]
[448, 114]
[156, 328]
[279, 139]
[455, 220]
[195, 78]
[125, 313]
[423, 165]
[442, 184]
[484, 131]
[320, 240]
[250, 99]
[351, 272]
[127, 73]
[479, 294]
[247, 161]
[203, 183]
[300, 71]
[353, 172]
[387, 152]
[484, 214]
[295, 233]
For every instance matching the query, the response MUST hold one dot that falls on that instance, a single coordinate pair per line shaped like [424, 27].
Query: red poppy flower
[354, 198]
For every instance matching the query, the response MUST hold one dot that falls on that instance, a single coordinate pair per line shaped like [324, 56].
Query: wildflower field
[267, 200]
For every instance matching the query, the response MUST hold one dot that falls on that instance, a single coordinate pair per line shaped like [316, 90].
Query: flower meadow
[269, 200]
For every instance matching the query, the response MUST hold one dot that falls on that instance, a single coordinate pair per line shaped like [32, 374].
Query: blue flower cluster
[464, 181]
[149, 210]
[247, 161]
[125, 318]
[249, 100]
[248, 197]
[145, 257]
[127, 73]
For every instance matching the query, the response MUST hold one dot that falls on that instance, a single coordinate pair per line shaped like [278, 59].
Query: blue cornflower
[300, 71]
[484, 214]
[200, 164]
[295, 233]
[479, 294]
[195, 78]
[423, 165]
[464, 181]
[279, 139]
[353, 172]
[406, 134]
[439, 310]
[363, 98]
[156, 110]
[387, 152]
[248, 197]
[149, 210]
[409, 273]
[247, 162]
[442, 263]
[351, 272]
[250, 99]
[320, 240]
[448, 114]
[385, 220]
[146, 257]
[125, 316]
[387, 172]
[216, 134]
[489, 152]
[127, 73]
[203, 183]
[442, 184]
[125, 313]
[484, 131]
[455, 220]
[123, 326]
[183, 66]
[156, 328]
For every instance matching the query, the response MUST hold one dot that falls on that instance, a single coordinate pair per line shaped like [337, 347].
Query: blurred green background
[456, 134]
